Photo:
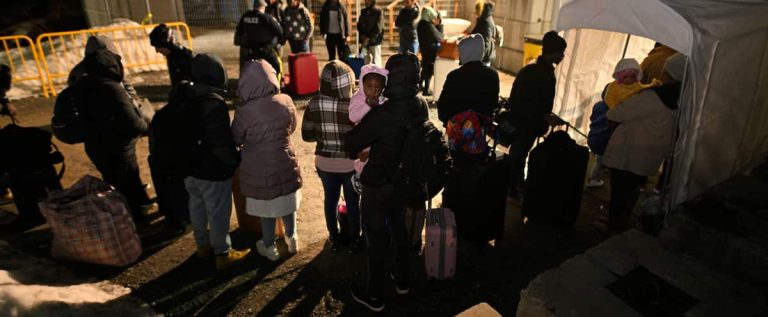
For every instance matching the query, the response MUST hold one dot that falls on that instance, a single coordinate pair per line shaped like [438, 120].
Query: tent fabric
[724, 101]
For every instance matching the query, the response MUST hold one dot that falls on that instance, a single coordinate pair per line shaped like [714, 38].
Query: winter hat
[161, 36]
[627, 65]
[674, 66]
[428, 14]
[553, 43]
[207, 69]
[259, 3]
[471, 49]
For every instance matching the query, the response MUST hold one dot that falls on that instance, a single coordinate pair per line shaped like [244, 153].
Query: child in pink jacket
[373, 79]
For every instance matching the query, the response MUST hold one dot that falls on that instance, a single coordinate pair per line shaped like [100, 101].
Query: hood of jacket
[257, 79]
[337, 80]
[207, 70]
[103, 63]
[97, 42]
[403, 79]
[372, 68]
[373, 4]
[471, 49]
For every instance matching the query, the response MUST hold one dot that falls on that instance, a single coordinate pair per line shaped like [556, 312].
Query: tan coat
[644, 136]
[263, 125]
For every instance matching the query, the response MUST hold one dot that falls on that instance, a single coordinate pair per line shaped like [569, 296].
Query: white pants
[372, 54]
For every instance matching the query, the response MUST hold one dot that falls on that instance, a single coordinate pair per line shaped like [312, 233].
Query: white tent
[723, 114]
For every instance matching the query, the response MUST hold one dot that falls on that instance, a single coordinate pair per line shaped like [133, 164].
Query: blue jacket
[599, 131]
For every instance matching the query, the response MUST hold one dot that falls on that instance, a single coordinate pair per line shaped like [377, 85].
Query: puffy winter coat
[383, 128]
[263, 125]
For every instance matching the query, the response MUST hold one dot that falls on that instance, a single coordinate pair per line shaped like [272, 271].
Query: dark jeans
[427, 68]
[172, 197]
[118, 166]
[335, 43]
[518, 152]
[383, 211]
[625, 189]
[299, 46]
[332, 185]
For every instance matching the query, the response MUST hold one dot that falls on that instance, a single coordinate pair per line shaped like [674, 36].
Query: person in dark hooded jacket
[406, 25]
[486, 28]
[430, 31]
[473, 86]
[382, 207]
[113, 126]
[209, 183]
[178, 56]
[335, 29]
[93, 44]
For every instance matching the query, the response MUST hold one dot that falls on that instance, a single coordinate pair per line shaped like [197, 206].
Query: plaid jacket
[326, 118]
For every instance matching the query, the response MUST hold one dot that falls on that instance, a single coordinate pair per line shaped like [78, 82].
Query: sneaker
[232, 257]
[270, 253]
[374, 304]
[203, 251]
[293, 244]
[356, 185]
[593, 183]
[402, 286]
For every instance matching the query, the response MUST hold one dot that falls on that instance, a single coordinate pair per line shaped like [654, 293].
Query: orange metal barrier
[19, 60]
[61, 51]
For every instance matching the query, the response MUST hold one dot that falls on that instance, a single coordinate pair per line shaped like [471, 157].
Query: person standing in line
[531, 100]
[172, 196]
[113, 126]
[298, 26]
[326, 120]
[209, 182]
[335, 30]
[430, 31]
[382, 205]
[179, 57]
[270, 178]
[486, 28]
[259, 34]
[406, 25]
[371, 29]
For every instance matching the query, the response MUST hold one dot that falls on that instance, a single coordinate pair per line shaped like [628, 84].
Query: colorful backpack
[466, 132]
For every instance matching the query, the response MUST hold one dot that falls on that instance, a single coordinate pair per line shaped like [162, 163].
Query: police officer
[259, 34]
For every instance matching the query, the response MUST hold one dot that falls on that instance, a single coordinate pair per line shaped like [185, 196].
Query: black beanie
[553, 43]
[161, 36]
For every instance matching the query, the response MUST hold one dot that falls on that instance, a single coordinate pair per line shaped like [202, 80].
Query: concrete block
[578, 286]
[480, 310]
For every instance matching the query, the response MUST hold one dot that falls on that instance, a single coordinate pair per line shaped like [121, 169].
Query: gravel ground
[171, 281]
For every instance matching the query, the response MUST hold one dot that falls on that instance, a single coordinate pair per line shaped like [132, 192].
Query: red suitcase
[440, 252]
[304, 75]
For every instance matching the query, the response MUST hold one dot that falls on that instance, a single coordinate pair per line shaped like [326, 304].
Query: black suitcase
[476, 191]
[555, 183]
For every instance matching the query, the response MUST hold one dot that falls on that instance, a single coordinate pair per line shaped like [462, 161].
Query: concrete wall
[518, 18]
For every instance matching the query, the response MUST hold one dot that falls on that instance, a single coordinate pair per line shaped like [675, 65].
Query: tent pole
[626, 44]
[555, 14]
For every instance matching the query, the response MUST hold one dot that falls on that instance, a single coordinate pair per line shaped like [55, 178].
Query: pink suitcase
[440, 251]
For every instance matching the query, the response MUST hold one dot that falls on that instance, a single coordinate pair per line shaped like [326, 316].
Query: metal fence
[21, 56]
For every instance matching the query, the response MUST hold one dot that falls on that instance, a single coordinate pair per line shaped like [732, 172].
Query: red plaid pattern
[91, 223]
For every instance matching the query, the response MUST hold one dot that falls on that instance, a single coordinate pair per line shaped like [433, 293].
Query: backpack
[175, 136]
[466, 132]
[67, 122]
[424, 162]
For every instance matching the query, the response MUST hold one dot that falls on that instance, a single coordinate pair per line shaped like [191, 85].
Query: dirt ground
[172, 282]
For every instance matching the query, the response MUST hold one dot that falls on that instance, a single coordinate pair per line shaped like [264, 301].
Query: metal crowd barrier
[19, 59]
[61, 51]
